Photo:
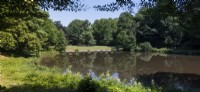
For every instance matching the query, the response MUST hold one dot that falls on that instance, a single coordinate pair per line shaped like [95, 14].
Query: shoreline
[71, 51]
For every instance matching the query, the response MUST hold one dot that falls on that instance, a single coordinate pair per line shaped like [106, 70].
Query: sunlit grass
[88, 48]
[12, 70]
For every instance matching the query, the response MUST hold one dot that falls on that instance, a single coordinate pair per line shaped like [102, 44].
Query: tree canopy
[104, 30]
[26, 28]
[79, 33]
[26, 31]
[126, 31]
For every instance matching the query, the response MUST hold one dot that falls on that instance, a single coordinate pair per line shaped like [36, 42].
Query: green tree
[75, 29]
[26, 31]
[87, 38]
[160, 31]
[126, 31]
[103, 30]
[172, 33]
[52, 31]
[61, 42]
[24, 37]
[61, 27]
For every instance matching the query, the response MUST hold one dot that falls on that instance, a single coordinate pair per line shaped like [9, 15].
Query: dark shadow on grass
[16, 54]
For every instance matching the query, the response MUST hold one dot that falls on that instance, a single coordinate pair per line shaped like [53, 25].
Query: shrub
[146, 46]
[2, 88]
[113, 49]
[88, 85]
[51, 80]
[161, 50]
[114, 89]
[76, 52]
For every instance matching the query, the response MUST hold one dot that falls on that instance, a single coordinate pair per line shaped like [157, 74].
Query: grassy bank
[21, 74]
[88, 48]
[151, 49]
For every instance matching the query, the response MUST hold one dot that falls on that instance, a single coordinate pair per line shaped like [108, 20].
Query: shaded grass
[88, 48]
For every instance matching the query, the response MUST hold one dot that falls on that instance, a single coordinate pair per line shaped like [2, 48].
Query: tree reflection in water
[165, 69]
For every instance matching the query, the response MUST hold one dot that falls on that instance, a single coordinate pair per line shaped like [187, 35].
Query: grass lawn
[86, 48]
[10, 71]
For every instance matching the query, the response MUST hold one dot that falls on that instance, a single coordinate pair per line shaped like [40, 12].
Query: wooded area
[26, 28]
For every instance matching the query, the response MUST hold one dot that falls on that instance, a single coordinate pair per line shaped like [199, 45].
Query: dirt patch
[8, 82]
[3, 57]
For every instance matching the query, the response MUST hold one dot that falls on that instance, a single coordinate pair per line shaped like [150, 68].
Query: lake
[169, 70]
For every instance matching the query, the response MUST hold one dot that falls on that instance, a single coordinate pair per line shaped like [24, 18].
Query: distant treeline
[150, 26]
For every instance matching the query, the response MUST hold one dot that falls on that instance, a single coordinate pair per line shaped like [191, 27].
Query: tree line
[151, 26]
[110, 32]
[25, 28]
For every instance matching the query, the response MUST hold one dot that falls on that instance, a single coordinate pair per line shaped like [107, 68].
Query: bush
[114, 89]
[50, 80]
[2, 88]
[88, 85]
[161, 50]
[76, 52]
[146, 46]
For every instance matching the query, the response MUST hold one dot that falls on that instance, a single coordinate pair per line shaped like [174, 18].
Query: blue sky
[90, 14]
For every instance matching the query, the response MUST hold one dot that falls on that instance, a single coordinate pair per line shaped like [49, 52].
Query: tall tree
[61, 42]
[79, 32]
[87, 38]
[103, 31]
[126, 31]
[160, 31]
[61, 28]
[25, 31]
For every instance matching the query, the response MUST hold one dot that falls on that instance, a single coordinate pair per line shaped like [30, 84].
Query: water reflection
[183, 82]
[125, 65]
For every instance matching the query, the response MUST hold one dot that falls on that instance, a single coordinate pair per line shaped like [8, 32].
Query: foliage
[159, 31]
[26, 31]
[87, 38]
[52, 33]
[165, 23]
[146, 46]
[104, 30]
[87, 85]
[79, 33]
[2, 88]
[53, 81]
[172, 32]
[61, 28]
[150, 24]
[69, 5]
[171, 27]
[126, 31]
[61, 42]
[162, 50]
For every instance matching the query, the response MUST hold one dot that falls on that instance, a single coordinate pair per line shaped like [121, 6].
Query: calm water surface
[165, 69]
